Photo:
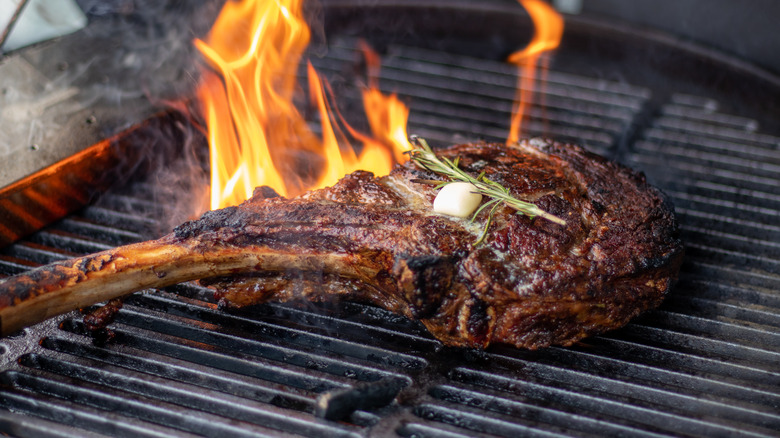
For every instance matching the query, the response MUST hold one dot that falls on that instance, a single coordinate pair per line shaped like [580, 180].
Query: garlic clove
[458, 199]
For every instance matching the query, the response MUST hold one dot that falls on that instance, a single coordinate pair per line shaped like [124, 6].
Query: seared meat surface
[531, 282]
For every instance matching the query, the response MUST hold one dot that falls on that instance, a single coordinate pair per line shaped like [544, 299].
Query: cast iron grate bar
[765, 319]
[209, 378]
[689, 171]
[703, 288]
[35, 253]
[633, 351]
[619, 371]
[72, 242]
[87, 421]
[757, 167]
[250, 335]
[163, 413]
[420, 430]
[612, 378]
[202, 355]
[475, 421]
[40, 428]
[699, 346]
[733, 273]
[474, 97]
[281, 329]
[697, 142]
[209, 402]
[758, 338]
[249, 356]
[679, 414]
[762, 266]
[484, 403]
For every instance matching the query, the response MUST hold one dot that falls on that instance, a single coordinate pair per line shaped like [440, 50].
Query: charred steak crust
[531, 284]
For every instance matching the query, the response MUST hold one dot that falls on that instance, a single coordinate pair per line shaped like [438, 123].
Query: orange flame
[256, 135]
[387, 115]
[549, 30]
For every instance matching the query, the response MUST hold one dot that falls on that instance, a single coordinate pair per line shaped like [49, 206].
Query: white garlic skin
[459, 199]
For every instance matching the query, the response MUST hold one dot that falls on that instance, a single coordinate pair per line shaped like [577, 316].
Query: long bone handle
[72, 284]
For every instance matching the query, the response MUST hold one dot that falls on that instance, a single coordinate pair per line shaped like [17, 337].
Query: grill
[706, 363]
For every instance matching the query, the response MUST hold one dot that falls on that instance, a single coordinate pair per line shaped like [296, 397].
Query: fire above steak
[531, 282]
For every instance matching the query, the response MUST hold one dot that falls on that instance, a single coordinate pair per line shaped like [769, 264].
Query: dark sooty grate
[707, 363]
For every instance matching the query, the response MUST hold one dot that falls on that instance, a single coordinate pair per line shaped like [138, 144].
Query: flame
[387, 115]
[549, 30]
[256, 134]
[258, 137]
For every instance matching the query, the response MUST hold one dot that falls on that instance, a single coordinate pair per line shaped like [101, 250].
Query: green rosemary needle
[423, 156]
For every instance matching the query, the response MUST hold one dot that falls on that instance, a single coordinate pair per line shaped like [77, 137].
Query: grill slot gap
[270, 333]
[132, 406]
[686, 363]
[36, 253]
[625, 402]
[102, 233]
[639, 366]
[125, 221]
[210, 338]
[476, 421]
[39, 428]
[77, 244]
[765, 319]
[540, 417]
[354, 331]
[87, 419]
[166, 392]
[217, 358]
[700, 286]
[712, 329]
[210, 378]
[478, 95]
[730, 352]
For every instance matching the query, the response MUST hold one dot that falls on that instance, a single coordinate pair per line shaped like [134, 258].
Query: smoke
[180, 187]
[150, 42]
[137, 60]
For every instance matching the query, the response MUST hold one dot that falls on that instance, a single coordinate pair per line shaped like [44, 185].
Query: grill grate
[462, 99]
[704, 364]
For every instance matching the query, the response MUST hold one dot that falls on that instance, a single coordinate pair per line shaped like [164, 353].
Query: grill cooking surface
[707, 363]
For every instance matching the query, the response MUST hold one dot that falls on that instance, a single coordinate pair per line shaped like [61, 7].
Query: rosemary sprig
[423, 156]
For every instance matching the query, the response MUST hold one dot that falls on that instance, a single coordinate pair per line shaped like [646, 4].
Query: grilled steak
[531, 283]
